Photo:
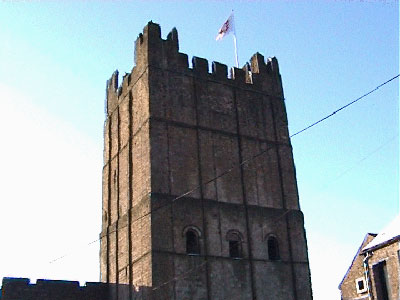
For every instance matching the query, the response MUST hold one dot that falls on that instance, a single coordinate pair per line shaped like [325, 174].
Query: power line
[243, 162]
[355, 164]
[204, 263]
[179, 276]
[262, 152]
[345, 106]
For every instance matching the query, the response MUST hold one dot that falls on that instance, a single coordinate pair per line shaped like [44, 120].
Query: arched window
[235, 244]
[273, 248]
[192, 235]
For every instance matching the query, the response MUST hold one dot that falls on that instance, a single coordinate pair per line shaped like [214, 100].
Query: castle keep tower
[191, 209]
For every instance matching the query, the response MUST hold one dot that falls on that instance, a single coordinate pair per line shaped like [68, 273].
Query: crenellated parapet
[151, 51]
[23, 289]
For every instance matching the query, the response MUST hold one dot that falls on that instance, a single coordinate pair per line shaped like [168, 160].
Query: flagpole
[234, 41]
[236, 52]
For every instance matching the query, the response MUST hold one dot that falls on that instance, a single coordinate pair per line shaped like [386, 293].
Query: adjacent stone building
[199, 189]
[375, 271]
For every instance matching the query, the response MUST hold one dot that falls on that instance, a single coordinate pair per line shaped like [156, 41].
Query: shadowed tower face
[171, 129]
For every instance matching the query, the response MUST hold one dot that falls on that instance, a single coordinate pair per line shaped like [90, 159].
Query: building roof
[388, 235]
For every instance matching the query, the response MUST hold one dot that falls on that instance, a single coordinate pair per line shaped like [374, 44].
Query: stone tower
[199, 189]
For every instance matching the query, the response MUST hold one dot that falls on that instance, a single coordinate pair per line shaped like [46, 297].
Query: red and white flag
[227, 27]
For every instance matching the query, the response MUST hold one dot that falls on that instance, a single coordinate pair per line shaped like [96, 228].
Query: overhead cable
[243, 162]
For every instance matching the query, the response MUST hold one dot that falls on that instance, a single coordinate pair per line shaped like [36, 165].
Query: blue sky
[55, 58]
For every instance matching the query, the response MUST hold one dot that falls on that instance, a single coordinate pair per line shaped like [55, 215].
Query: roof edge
[359, 251]
[381, 245]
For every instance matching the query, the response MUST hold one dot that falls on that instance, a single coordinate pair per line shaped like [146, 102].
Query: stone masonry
[374, 273]
[348, 286]
[191, 209]
[22, 289]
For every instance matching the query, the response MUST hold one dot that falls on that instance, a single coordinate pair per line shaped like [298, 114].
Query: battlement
[22, 289]
[151, 51]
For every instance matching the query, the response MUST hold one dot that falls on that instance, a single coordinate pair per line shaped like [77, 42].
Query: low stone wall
[22, 289]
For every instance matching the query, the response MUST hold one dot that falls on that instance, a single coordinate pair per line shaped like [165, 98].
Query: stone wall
[20, 288]
[356, 270]
[182, 150]
[390, 255]
[387, 254]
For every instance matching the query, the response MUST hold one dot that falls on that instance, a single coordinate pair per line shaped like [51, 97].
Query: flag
[226, 28]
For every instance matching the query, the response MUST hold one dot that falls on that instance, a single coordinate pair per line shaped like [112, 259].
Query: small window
[273, 248]
[192, 242]
[360, 285]
[235, 244]
[192, 236]
[234, 249]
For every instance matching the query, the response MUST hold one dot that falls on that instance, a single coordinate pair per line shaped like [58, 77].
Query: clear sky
[55, 58]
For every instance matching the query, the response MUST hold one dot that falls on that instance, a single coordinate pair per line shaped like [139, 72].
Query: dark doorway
[380, 276]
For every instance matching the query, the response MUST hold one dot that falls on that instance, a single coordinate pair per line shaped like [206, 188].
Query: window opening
[234, 249]
[360, 285]
[235, 244]
[273, 248]
[398, 255]
[192, 242]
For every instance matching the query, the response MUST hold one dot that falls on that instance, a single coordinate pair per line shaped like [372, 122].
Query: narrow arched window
[192, 242]
[273, 248]
[235, 244]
